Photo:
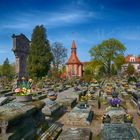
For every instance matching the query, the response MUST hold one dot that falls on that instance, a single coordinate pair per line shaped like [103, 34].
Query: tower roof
[73, 45]
[73, 58]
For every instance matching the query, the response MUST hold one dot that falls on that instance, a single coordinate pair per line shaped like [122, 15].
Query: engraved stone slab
[75, 134]
[119, 132]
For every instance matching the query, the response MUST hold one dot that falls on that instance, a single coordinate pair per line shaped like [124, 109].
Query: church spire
[73, 48]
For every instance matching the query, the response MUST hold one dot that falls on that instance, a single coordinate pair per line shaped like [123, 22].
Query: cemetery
[71, 104]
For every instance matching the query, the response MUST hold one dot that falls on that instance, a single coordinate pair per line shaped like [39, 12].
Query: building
[74, 68]
[135, 61]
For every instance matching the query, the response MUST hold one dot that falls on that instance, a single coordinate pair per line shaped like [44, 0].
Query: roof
[73, 58]
[73, 45]
[129, 58]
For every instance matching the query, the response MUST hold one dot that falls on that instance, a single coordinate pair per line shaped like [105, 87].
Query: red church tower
[74, 68]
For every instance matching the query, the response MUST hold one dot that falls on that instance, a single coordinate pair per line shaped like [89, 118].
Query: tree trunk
[109, 68]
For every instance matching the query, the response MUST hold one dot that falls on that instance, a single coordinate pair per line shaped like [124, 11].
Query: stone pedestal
[79, 116]
[116, 114]
[52, 109]
[68, 103]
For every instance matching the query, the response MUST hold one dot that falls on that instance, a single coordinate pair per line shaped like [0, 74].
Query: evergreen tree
[40, 56]
[7, 69]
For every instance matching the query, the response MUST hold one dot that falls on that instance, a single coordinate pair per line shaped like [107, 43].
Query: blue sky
[88, 22]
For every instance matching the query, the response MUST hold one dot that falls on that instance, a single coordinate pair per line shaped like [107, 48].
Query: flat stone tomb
[76, 134]
[79, 116]
[3, 100]
[116, 114]
[68, 102]
[20, 120]
[119, 132]
[51, 108]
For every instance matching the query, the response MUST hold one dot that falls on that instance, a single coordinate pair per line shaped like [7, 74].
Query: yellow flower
[30, 80]
[28, 90]
[24, 89]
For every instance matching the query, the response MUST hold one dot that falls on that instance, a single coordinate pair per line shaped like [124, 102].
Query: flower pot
[25, 98]
[53, 97]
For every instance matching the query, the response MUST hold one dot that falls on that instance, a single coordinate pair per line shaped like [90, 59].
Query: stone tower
[74, 68]
[21, 49]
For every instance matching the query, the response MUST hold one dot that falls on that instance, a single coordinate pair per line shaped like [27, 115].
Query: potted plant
[23, 90]
[23, 94]
[52, 96]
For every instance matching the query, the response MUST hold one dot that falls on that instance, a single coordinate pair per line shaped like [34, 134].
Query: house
[134, 60]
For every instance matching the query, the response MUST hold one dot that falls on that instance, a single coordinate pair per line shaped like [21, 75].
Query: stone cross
[20, 48]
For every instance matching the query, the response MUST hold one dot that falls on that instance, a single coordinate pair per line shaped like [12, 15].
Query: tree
[107, 52]
[119, 61]
[59, 54]
[130, 69]
[7, 69]
[40, 56]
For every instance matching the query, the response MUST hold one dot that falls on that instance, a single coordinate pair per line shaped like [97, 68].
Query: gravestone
[76, 134]
[120, 131]
[21, 49]
[21, 120]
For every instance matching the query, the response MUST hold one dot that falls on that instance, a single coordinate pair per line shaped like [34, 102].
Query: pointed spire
[73, 58]
[73, 45]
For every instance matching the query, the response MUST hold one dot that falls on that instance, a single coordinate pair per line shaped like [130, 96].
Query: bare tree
[59, 54]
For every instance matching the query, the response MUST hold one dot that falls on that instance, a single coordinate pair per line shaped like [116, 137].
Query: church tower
[74, 68]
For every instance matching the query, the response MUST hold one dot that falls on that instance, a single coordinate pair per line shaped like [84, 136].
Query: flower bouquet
[23, 94]
[114, 102]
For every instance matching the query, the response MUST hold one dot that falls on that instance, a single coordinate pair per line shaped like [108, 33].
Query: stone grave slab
[76, 134]
[21, 120]
[79, 116]
[119, 132]
[68, 102]
[52, 109]
[116, 114]
[3, 100]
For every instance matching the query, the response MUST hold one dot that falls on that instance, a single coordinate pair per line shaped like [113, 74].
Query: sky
[88, 22]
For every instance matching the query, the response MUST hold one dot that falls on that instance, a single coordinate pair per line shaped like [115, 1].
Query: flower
[115, 101]
[17, 90]
[30, 80]
[22, 91]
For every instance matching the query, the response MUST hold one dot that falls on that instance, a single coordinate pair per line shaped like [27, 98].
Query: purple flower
[115, 101]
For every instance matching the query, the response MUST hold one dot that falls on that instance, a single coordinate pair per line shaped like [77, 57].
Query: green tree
[107, 52]
[130, 69]
[119, 61]
[0, 70]
[7, 69]
[40, 56]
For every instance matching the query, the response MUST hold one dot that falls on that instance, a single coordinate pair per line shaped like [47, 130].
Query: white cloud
[49, 19]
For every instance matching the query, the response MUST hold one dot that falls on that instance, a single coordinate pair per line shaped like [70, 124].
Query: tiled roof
[128, 59]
